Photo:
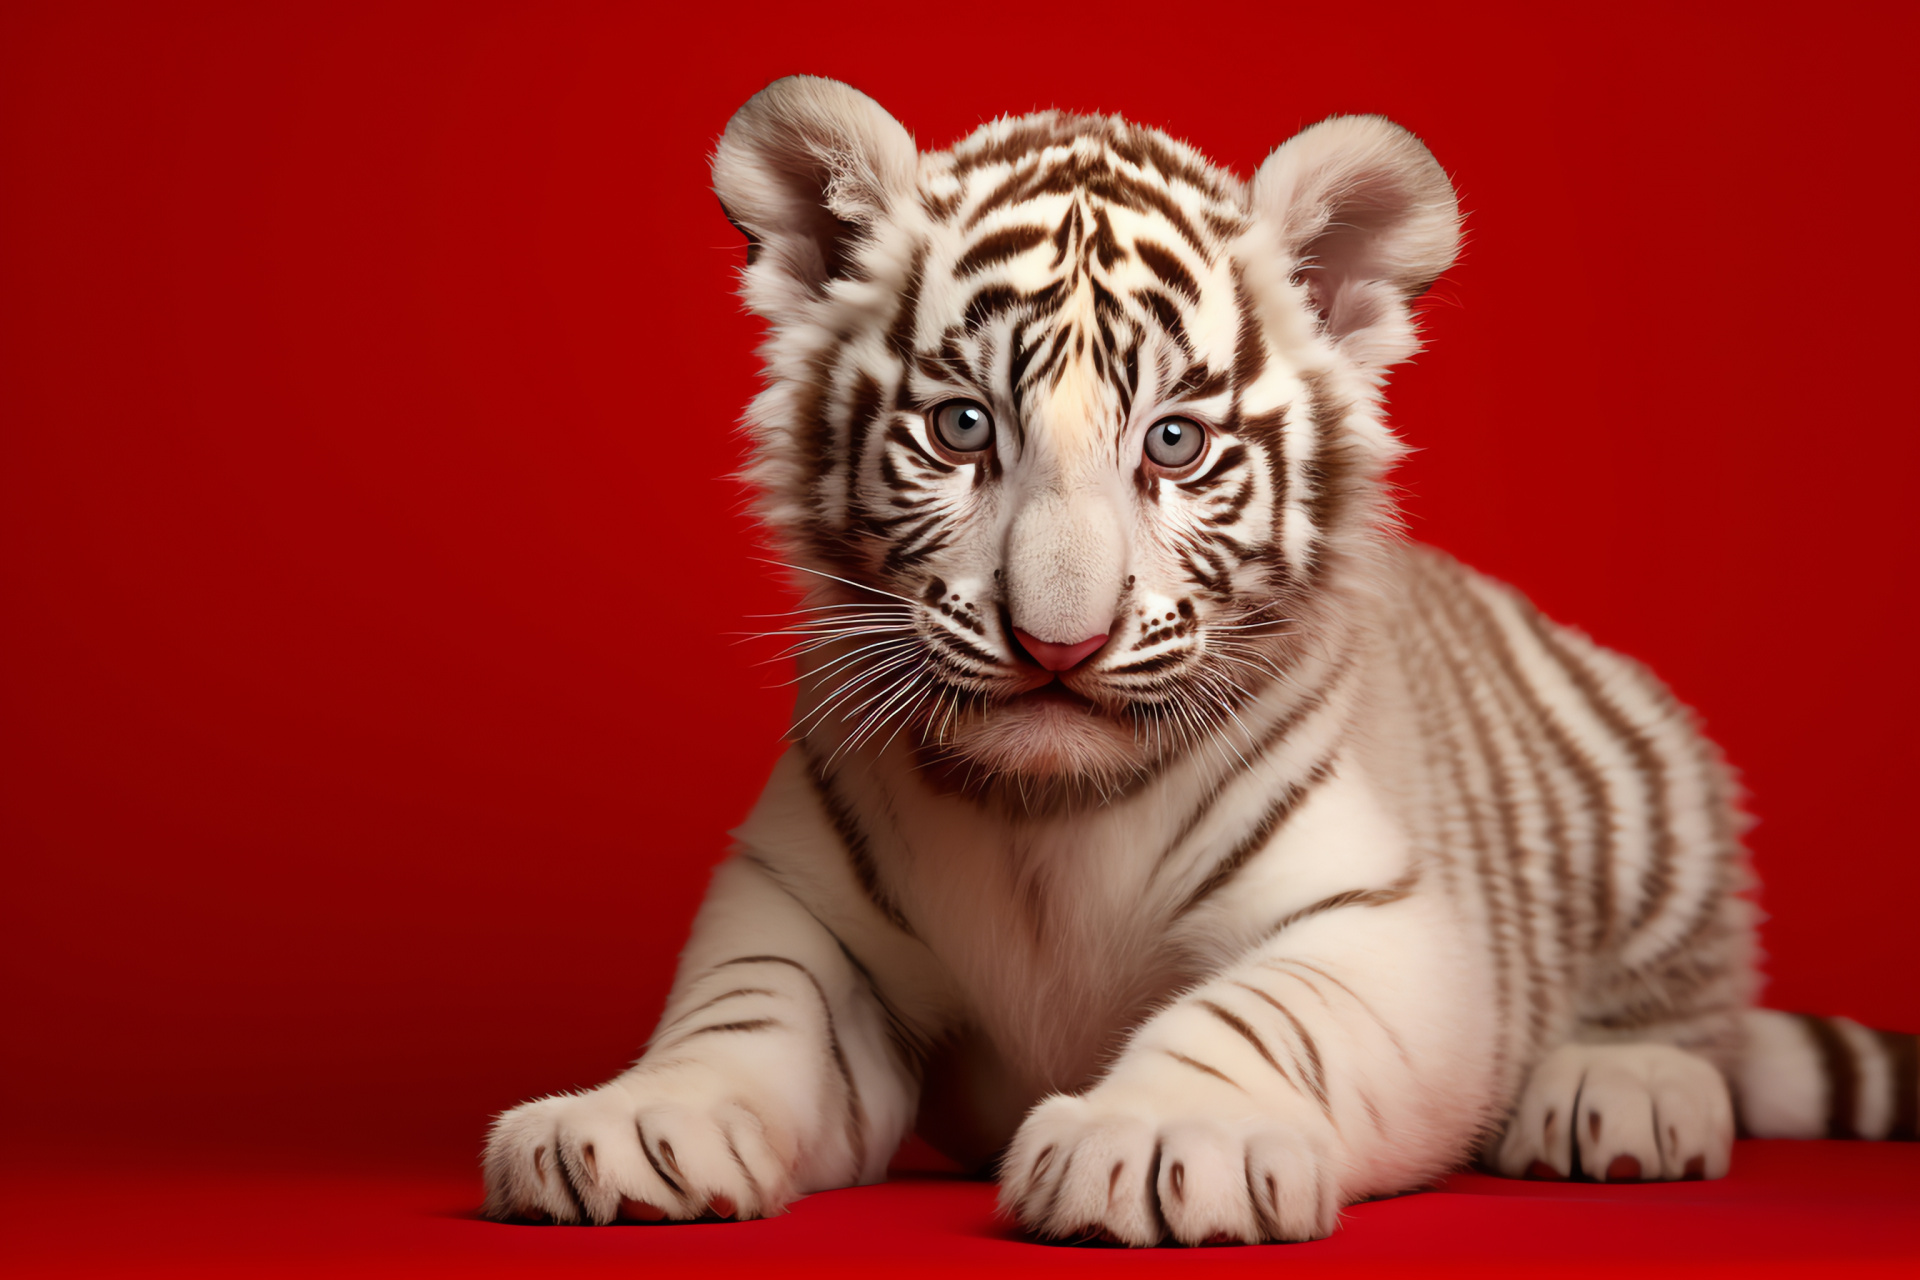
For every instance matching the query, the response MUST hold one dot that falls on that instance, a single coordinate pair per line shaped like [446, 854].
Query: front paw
[1138, 1172]
[646, 1147]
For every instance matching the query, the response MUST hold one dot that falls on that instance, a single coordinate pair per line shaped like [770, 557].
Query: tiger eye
[963, 426]
[1174, 443]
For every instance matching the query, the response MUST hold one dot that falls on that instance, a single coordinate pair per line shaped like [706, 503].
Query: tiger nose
[1058, 657]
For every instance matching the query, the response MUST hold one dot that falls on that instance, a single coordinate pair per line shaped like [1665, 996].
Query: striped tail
[1807, 1077]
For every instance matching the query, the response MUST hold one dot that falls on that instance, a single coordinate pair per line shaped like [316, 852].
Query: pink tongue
[1057, 657]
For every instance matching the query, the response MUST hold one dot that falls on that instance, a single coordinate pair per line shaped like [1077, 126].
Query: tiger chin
[1160, 829]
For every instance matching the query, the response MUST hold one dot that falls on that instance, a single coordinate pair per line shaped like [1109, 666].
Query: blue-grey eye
[963, 426]
[1175, 443]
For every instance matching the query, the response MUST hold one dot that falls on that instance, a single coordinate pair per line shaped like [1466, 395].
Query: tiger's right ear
[806, 167]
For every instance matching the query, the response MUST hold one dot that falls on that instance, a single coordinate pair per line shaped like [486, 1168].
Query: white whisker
[819, 675]
[858, 586]
[853, 685]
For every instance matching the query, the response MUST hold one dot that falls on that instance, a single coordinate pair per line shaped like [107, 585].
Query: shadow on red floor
[1801, 1208]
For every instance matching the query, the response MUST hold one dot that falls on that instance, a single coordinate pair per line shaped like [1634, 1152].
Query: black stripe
[941, 208]
[567, 1184]
[1595, 789]
[1573, 763]
[1023, 139]
[987, 302]
[1334, 472]
[1656, 881]
[1313, 1071]
[1163, 264]
[853, 838]
[1145, 150]
[1842, 1072]
[1472, 803]
[725, 995]
[1709, 912]
[751, 1024]
[1059, 1184]
[863, 416]
[1231, 456]
[1199, 382]
[898, 434]
[964, 646]
[1255, 840]
[856, 1114]
[1147, 666]
[1215, 1072]
[1011, 188]
[1131, 193]
[753, 1183]
[1166, 314]
[1246, 1032]
[1276, 733]
[1357, 998]
[1153, 1188]
[909, 1040]
[1351, 898]
[1022, 357]
[1903, 1077]
[1249, 347]
[1066, 235]
[1103, 244]
[900, 335]
[1446, 595]
[1034, 372]
[1007, 242]
[1268, 1222]
[659, 1165]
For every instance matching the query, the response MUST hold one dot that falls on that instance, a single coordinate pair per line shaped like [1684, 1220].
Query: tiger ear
[803, 169]
[1367, 220]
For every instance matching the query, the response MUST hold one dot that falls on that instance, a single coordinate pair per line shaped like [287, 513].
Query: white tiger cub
[1156, 821]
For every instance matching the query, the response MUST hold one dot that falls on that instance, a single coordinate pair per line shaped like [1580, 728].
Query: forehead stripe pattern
[1055, 185]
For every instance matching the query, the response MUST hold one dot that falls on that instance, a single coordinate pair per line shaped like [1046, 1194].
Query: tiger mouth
[1056, 693]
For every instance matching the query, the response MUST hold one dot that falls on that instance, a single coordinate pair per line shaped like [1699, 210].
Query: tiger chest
[1056, 943]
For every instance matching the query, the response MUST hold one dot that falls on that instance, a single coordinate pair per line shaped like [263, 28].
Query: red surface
[369, 712]
[1800, 1209]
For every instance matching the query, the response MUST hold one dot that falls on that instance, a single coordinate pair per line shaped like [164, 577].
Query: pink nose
[1057, 657]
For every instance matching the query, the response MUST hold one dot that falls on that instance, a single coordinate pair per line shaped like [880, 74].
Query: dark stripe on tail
[1842, 1072]
[1903, 1071]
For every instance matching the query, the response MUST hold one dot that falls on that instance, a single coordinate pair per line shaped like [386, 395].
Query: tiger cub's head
[1074, 436]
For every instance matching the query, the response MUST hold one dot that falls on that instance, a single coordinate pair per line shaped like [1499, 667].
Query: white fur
[1216, 977]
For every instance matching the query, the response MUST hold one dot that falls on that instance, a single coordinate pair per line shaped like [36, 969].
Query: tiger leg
[770, 1075]
[1619, 1113]
[1331, 1063]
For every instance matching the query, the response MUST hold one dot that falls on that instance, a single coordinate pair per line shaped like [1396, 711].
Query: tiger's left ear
[804, 169]
[1367, 220]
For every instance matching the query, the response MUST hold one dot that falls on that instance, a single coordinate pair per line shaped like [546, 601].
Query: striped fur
[1333, 866]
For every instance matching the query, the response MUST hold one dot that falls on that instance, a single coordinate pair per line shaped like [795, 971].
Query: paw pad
[1624, 1169]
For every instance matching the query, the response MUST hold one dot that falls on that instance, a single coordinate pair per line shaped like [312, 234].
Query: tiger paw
[1620, 1113]
[1103, 1167]
[648, 1148]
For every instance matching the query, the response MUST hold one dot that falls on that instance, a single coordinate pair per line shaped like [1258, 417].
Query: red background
[369, 706]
